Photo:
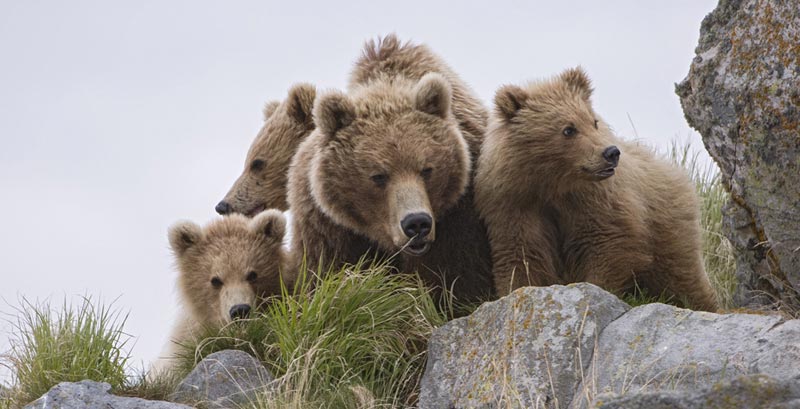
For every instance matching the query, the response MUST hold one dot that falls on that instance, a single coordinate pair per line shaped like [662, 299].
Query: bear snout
[417, 225]
[223, 208]
[611, 155]
[239, 311]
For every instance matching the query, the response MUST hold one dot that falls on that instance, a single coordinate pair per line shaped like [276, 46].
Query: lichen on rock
[742, 94]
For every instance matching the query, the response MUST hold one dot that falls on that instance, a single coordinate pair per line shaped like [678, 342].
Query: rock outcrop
[743, 95]
[526, 349]
[563, 346]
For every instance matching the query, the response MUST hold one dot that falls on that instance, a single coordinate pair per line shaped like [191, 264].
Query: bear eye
[216, 282]
[426, 173]
[251, 276]
[380, 179]
[257, 165]
[595, 124]
[569, 131]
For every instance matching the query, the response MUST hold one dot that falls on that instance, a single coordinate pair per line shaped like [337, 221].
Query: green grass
[78, 341]
[359, 336]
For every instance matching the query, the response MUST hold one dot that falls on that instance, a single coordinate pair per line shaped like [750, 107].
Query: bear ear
[332, 112]
[270, 223]
[183, 235]
[270, 108]
[433, 95]
[300, 103]
[578, 82]
[508, 100]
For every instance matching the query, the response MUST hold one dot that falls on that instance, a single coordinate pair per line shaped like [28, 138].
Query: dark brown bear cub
[564, 200]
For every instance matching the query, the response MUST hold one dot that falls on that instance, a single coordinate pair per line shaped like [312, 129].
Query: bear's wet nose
[223, 208]
[239, 311]
[417, 225]
[611, 155]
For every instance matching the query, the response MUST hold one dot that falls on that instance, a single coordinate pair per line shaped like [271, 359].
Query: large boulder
[224, 379]
[742, 94]
[528, 349]
[574, 346]
[93, 395]
[659, 347]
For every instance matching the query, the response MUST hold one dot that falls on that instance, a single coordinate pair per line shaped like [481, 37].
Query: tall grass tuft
[718, 253]
[356, 339]
[79, 341]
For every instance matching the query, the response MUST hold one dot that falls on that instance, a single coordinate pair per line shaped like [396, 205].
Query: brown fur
[262, 184]
[552, 219]
[228, 249]
[406, 114]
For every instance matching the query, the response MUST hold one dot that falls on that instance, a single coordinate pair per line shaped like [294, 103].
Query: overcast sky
[119, 118]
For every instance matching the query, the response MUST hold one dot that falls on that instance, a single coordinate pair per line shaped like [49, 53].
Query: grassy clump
[718, 253]
[79, 341]
[357, 339]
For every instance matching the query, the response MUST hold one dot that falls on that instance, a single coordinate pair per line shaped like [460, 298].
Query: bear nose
[611, 155]
[223, 208]
[239, 311]
[417, 225]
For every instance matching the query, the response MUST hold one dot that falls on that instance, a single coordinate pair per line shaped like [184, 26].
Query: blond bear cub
[566, 201]
[224, 269]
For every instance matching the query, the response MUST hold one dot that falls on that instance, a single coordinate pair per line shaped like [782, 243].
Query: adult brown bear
[388, 170]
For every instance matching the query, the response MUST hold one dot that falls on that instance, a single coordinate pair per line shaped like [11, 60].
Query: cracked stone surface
[524, 350]
[743, 95]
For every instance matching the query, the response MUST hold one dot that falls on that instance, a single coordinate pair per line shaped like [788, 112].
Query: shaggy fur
[232, 261]
[399, 142]
[555, 215]
[262, 184]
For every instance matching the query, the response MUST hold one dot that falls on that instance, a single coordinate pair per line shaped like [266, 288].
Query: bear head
[225, 267]
[262, 184]
[550, 132]
[390, 160]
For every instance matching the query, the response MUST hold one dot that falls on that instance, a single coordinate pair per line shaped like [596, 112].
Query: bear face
[390, 159]
[227, 265]
[553, 122]
[262, 184]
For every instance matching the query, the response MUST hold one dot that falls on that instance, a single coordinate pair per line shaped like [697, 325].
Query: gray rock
[224, 379]
[661, 347]
[743, 95]
[528, 349]
[93, 395]
[743, 392]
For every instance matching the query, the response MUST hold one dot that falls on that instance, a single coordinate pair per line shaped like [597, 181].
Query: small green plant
[718, 254]
[79, 341]
[354, 337]
[640, 296]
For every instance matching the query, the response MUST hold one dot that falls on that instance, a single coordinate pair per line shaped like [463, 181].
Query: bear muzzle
[417, 227]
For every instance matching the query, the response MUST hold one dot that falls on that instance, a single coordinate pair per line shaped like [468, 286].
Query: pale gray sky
[119, 118]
